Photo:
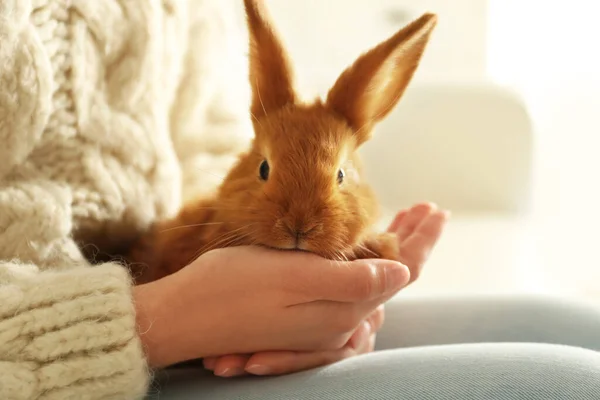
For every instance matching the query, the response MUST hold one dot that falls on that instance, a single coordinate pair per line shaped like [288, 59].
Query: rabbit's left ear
[368, 90]
[270, 71]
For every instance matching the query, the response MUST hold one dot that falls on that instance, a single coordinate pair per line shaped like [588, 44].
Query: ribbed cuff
[70, 334]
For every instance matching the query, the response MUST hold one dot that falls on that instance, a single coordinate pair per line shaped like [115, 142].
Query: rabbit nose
[299, 231]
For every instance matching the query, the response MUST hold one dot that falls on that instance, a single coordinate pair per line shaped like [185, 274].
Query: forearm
[163, 321]
[155, 323]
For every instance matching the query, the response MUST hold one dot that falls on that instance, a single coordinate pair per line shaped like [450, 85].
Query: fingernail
[229, 372]
[433, 205]
[396, 276]
[257, 369]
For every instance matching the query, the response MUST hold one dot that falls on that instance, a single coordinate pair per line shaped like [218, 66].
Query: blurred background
[500, 125]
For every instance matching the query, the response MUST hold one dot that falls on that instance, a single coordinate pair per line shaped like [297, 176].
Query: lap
[469, 348]
[425, 321]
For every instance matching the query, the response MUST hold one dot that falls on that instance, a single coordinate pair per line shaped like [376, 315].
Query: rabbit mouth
[290, 248]
[297, 247]
[306, 250]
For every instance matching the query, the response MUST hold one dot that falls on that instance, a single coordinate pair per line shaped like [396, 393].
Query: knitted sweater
[108, 108]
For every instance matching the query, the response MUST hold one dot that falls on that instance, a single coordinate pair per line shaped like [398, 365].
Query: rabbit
[300, 185]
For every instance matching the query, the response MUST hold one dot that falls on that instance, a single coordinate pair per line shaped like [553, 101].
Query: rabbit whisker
[343, 256]
[216, 243]
[225, 209]
[260, 98]
[255, 118]
[224, 240]
[208, 247]
[190, 226]
[210, 173]
[367, 250]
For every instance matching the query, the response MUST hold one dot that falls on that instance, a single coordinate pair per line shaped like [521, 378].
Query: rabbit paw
[380, 245]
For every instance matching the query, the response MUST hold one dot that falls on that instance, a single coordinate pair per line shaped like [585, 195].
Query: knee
[495, 371]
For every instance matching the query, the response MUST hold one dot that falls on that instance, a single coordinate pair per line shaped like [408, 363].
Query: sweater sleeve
[72, 123]
[210, 119]
[68, 334]
[67, 329]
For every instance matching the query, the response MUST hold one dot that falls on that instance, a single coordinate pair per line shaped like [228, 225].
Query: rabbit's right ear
[367, 90]
[270, 70]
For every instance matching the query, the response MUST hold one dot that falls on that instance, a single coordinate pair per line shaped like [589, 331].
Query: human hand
[283, 362]
[242, 300]
[418, 230]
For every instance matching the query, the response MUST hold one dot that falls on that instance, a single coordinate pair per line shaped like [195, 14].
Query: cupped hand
[242, 300]
[418, 230]
[283, 362]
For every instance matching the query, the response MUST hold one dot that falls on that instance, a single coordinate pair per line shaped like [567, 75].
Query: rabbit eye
[263, 170]
[340, 176]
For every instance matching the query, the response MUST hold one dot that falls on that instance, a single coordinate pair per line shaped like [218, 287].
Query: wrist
[157, 322]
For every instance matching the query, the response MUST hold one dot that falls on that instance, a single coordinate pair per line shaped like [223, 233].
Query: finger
[361, 336]
[377, 318]
[371, 326]
[338, 322]
[370, 346]
[282, 362]
[415, 250]
[278, 363]
[231, 365]
[209, 363]
[397, 220]
[351, 282]
[413, 218]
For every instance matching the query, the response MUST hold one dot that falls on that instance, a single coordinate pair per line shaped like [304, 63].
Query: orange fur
[301, 205]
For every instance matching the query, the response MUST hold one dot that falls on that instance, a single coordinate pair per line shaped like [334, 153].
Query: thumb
[351, 281]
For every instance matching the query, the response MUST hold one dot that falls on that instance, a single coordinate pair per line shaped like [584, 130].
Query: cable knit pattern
[111, 113]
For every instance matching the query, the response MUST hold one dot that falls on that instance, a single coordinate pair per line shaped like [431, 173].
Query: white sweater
[108, 108]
